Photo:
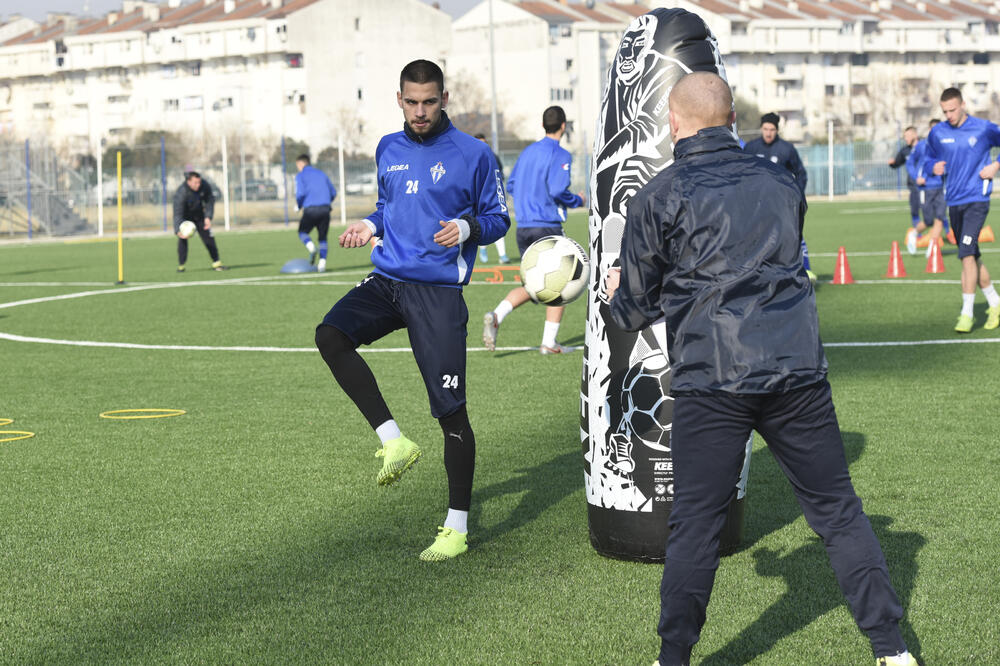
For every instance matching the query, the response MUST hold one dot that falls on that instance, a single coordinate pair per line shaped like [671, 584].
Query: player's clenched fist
[356, 235]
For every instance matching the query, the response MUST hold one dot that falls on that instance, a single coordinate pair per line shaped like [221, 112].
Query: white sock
[321, 265]
[310, 247]
[502, 247]
[967, 301]
[502, 310]
[388, 430]
[992, 298]
[457, 520]
[549, 333]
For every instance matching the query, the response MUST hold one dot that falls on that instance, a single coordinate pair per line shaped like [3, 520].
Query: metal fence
[43, 194]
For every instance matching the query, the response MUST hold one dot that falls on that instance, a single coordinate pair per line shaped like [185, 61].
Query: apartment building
[214, 67]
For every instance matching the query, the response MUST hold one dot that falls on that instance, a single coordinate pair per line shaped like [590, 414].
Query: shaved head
[699, 100]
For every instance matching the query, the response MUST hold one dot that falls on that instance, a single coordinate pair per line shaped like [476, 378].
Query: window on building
[561, 94]
[171, 104]
[859, 59]
[569, 63]
[739, 28]
[357, 24]
[192, 103]
[251, 34]
[980, 58]
[41, 106]
[168, 71]
[361, 94]
[830, 91]
[293, 60]
[860, 120]
[909, 58]
[959, 58]
[117, 99]
[859, 90]
[222, 103]
[194, 68]
[566, 31]
[780, 66]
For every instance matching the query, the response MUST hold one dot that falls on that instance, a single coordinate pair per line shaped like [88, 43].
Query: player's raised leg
[363, 315]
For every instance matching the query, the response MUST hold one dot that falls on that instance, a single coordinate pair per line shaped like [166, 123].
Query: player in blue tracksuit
[930, 196]
[540, 183]
[313, 193]
[439, 196]
[773, 148]
[903, 158]
[959, 150]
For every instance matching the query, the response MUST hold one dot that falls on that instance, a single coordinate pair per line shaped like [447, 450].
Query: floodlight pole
[493, 88]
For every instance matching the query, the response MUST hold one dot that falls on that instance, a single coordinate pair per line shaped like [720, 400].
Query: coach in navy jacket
[704, 248]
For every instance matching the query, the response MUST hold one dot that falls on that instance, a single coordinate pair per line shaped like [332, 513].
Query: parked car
[364, 184]
[259, 189]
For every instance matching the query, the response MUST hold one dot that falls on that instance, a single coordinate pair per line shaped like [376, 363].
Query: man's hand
[208, 224]
[450, 235]
[921, 180]
[583, 197]
[988, 171]
[939, 168]
[611, 282]
[356, 235]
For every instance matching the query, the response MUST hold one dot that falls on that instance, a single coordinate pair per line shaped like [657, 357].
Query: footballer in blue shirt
[959, 150]
[314, 193]
[439, 196]
[539, 182]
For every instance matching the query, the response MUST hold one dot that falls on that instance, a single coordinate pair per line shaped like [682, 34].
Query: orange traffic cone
[935, 264]
[986, 234]
[896, 268]
[842, 273]
[951, 237]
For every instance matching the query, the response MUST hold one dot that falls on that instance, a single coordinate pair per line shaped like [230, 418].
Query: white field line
[279, 280]
[920, 254]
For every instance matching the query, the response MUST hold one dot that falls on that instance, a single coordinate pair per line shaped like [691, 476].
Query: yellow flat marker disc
[128, 414]
[4, 422]
[14, 435]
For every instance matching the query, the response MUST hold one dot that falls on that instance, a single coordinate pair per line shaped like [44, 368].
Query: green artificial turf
[250, 528]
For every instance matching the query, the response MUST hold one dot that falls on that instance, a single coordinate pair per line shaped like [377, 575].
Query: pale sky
[37, 9]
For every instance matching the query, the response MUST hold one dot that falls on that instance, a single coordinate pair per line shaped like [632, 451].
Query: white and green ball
[187, 229]
[555, 270]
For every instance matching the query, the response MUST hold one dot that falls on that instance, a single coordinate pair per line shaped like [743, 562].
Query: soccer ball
[187, 229]
[647, 412]
[555, 270]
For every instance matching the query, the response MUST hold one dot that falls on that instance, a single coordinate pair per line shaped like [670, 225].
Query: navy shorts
[967, 221]
[527, 236]
[435, 319]
[315, 217]
[914, 202]
[932, 206]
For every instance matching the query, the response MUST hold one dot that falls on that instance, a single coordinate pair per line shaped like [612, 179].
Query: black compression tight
[459, 458]
[352, 373]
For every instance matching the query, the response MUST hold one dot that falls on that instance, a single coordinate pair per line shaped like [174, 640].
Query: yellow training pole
[121, 264]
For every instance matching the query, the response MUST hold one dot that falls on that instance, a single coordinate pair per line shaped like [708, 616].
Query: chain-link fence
[42, 193]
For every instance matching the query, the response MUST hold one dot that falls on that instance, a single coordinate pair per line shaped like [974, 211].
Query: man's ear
[399, 99]
[672, 119]
[444, 99]
[732, 118]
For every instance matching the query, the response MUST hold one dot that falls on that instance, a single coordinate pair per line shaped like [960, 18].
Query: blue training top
[539, 182]
[423, 180]
[916, 168]
[965, 150]
[313, 188]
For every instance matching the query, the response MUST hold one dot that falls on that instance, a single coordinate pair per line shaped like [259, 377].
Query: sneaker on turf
[811, 276]
[992, 318]
[964, 324]
[181, 269]
[312, 257]
[321, 266]
[217, 266]
[490, 329]
[449, 543]
[911, 241]
[398, 455]
[902, 659]
[484, 256]
[504, 259]
[545, 350]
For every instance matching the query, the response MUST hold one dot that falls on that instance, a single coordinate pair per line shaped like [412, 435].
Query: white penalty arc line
[408, 350]
[134, 345]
